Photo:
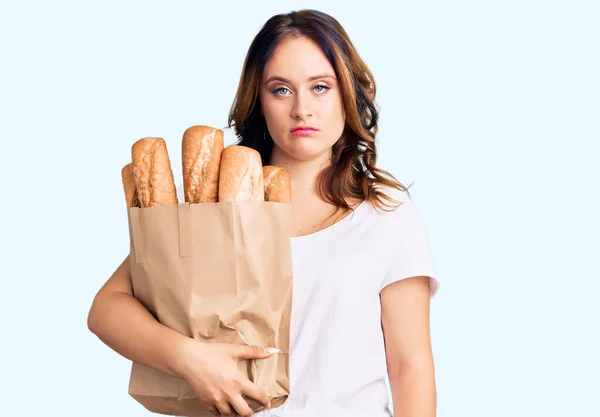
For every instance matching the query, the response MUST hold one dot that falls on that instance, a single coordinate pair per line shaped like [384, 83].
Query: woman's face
[299, 89]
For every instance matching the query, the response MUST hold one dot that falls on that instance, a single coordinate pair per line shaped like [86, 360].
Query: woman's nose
[300, 109]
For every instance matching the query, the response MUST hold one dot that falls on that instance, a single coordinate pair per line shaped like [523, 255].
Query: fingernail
[269, 405]
[272, 350]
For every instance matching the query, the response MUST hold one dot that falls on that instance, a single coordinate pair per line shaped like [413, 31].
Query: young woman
[363, 273]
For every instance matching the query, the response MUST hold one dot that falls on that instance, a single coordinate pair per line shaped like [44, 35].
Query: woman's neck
[304, 173]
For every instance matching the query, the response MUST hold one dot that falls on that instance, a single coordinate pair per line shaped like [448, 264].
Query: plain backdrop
[490, 109]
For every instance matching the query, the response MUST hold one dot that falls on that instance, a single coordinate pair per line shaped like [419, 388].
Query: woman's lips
[304, 131]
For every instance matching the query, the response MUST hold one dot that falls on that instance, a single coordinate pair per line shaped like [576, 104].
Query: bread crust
[201, 150]
[241, 175]
[152, 173]
[278, 184]
[131, 197]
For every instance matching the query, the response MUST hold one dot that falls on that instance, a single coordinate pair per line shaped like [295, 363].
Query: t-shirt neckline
[336, 225]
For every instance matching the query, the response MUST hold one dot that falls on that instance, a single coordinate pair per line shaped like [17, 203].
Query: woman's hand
[211, 369]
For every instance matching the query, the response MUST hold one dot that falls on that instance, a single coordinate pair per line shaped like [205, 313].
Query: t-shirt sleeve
[409, 252]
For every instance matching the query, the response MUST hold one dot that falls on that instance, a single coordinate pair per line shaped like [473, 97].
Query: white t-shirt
[337, 353]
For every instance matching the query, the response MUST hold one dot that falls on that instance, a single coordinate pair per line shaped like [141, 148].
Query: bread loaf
[152, 173]
[131, 197]
[278, 184]
[201, 150]
[241, 175]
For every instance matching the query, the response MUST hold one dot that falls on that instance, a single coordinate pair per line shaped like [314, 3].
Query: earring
[265, 131]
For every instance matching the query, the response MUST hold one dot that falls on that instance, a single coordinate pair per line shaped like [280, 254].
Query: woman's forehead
[297, 60]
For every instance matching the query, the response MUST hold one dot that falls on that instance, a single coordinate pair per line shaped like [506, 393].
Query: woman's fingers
[224, 408]
[213, 409]
[239, 352]
[241, 406]
[252, 390]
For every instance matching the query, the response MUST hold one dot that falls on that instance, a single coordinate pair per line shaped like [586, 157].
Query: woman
[363, 274]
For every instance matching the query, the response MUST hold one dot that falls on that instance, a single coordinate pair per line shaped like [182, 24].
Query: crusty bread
[278, 184]
[131, 197]
[241, 175]
[152, 173]
[201, 150]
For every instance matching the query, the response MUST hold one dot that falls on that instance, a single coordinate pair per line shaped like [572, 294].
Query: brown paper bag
[217, 272]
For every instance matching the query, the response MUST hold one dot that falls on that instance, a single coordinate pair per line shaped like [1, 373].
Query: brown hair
[352, 173]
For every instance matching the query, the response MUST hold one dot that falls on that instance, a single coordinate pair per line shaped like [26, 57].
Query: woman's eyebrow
[312, 78]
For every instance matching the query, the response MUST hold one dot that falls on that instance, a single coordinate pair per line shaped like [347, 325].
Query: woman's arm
[125, 325]
[405, 323]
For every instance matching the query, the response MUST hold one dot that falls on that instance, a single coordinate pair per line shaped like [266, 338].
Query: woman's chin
[309, 154]
[307, 150]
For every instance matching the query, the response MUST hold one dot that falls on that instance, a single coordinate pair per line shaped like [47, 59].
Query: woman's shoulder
[390, 200]
[396, 210]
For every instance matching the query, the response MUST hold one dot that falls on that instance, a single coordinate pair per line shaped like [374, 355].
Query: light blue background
[491, 108]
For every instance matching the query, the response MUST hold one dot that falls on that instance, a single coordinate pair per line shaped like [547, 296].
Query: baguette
[278, 184]
[241, 176]
[131, 196]
[201, 150]
[152, 173]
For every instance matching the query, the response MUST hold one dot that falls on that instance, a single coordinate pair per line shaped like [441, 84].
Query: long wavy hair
[353, 173]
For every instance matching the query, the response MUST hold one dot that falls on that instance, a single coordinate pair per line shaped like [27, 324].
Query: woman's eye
[276, 92]
[282, 91]
[324, 88]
